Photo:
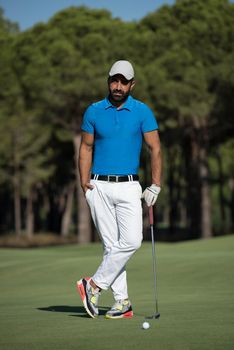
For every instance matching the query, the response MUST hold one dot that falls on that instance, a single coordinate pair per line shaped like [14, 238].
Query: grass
[40, 309]
[37, 240]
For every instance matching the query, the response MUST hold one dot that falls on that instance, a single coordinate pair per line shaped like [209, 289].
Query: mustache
[117, 91]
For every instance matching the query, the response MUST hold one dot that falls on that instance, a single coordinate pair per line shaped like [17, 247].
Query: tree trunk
[183, 214]
[221, 193]
[66, 219]
[231, 187]
[193, 200]
[30, 215]
[166, 215]
[172, 189]
[199, 202]
[45, 209]
[84, 228]
[17, 203]
[206, 230]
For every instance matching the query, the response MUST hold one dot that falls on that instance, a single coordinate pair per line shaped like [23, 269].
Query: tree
[180, 80]
[10, 102]
[24, 138]
[183, 57]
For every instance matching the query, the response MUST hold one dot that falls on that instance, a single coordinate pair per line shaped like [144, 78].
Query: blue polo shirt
[118, 135]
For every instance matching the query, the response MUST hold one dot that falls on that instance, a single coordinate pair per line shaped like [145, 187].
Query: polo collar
[127, 105]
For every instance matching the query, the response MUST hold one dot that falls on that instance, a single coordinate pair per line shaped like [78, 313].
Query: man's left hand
[150, 194]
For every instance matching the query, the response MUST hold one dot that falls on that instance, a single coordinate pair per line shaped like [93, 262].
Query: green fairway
[40, 308]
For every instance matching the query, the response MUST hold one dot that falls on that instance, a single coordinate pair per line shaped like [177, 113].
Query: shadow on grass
[78, 310]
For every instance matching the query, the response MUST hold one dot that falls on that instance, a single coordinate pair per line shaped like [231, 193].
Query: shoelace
[95, 296]
[119, 304]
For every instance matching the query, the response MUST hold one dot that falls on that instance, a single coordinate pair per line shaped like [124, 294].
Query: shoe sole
[128, 314]
[81, 291]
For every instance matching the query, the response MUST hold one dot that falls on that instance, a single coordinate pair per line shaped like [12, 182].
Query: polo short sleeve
[149, 122]
[88, 120]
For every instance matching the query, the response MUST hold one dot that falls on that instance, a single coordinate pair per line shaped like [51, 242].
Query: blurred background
[54, 61]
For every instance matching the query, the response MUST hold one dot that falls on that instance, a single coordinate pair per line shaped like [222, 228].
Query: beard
[118, 96]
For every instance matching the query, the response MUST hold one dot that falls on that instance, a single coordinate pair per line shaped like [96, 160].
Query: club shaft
[153, 259]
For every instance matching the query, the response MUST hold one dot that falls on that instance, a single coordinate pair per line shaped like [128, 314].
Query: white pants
[117, 214]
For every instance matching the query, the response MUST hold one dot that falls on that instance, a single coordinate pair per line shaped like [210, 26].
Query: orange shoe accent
[128, 314]
[80, 289]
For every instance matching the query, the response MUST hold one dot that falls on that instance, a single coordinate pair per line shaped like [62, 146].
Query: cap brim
[126, 76]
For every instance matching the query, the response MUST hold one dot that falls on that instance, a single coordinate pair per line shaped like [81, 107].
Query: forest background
[183, 57]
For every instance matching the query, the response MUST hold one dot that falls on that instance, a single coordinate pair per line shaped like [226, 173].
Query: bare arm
[85, 159]
[153, 141]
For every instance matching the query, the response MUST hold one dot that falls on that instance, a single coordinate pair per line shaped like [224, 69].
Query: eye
[117, 80]
[113, 80]
[124, 82]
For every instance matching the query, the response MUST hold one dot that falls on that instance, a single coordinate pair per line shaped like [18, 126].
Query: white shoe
[89, 296]
[120, 309]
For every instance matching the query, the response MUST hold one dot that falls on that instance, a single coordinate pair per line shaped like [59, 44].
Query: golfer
[112, 133]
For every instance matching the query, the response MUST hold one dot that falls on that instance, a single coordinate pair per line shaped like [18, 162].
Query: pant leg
[103, 213]
[128, 211]
[119, 287]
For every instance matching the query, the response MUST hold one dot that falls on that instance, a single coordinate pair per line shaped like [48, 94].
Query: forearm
[85, 163]
[151, 193]
[156, 166]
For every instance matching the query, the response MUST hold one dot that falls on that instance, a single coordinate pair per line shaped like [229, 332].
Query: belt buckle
[111, 177]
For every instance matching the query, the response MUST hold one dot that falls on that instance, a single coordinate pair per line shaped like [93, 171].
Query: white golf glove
[150, 194]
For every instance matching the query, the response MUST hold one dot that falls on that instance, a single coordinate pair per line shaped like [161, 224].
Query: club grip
[151, 215]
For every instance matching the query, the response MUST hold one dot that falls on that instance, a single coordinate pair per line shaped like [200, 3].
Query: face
[119, 88]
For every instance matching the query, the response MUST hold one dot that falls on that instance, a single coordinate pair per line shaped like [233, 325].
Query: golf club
[151, 221]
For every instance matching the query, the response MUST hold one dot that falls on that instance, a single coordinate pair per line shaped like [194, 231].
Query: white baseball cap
[122, 67]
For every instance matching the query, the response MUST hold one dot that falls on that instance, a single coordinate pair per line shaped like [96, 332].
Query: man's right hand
[87, 186]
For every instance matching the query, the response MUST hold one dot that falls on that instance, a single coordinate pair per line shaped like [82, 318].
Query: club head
[153, 317]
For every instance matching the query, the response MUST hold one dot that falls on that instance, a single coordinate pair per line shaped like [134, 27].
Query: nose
[119, 85]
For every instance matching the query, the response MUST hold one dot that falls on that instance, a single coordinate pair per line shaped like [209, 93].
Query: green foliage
[227, 154]
[24, 139]
[183, 58]
[6, 26]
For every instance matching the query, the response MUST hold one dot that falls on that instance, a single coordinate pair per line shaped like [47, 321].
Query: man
[112, 131]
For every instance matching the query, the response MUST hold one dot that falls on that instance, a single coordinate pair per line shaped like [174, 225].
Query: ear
[133, 84]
